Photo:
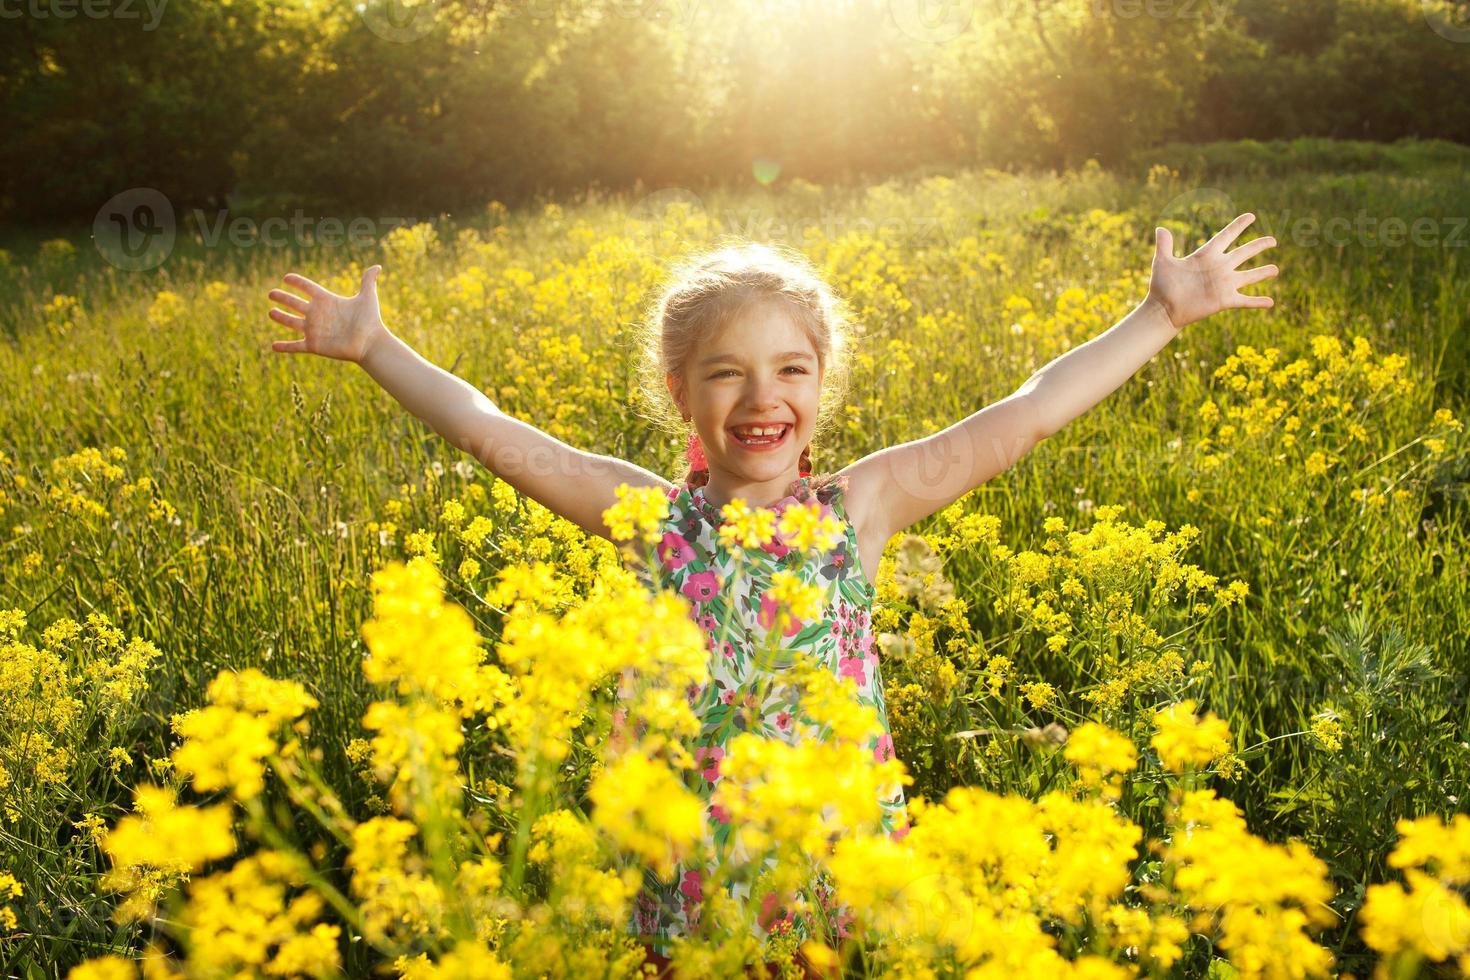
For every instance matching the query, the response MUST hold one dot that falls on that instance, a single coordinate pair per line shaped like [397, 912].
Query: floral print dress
[694, 562]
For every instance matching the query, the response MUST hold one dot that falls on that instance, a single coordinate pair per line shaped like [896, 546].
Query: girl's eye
[791, 367]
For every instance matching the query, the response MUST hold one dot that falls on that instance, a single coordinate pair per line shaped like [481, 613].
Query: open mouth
[760, 436]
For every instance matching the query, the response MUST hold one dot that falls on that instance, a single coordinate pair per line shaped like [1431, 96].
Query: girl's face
[761, 369]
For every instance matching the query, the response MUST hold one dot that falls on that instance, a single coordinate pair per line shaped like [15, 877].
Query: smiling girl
[747, 349]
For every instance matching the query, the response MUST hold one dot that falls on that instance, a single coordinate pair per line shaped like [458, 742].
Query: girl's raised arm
[574, 484]
[895, 487]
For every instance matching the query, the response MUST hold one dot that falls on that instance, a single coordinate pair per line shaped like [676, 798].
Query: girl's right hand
[343, 327]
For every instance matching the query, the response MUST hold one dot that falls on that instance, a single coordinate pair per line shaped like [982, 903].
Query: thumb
[1164, 239]
[370, 278]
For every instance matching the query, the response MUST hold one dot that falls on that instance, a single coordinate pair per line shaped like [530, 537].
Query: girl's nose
[762, 395]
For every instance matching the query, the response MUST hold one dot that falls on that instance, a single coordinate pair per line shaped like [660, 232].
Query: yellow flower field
[292, 687]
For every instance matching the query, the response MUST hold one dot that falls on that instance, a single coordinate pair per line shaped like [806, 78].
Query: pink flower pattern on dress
[767, 616]
[694, 563]
[674, 551]
[701, 586]
[710, 756]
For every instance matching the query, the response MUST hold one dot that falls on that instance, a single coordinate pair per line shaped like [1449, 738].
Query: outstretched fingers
[289, 299]
[313, 289]
[1249, 250]
[289, 346]
[1229, 233]
[1256, 275]
[294, 322]
[1248, 277]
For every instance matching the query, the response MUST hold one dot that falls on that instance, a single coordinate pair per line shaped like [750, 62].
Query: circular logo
[1206, 208]
[1446, 923]
[664, 209]
[934, 21]
[1450, 21]
[400, 21]
[942, 470]
[134, 230]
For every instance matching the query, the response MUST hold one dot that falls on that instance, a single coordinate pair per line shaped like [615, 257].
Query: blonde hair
[711, 289]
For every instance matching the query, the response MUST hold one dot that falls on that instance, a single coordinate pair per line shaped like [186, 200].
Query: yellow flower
[12, 621]
[1101, 756]
[803, 600]
[1184, 741]
[504, 496]
[1428, 843]
[223, 748]
[805, 528]
[1263, 897]
[1039, 693]
[1229, 766]
[639, 511]
[645, 808]
[453, 513]
[746, 528]
[167, 308]
[107, 967]
[998, 670]
[1326, 730]
[226, 741]
[479, 529]
[469, 569]
[421, 543]
[1233, 593]
[165, 835]
[313, 953]
[1427, 917]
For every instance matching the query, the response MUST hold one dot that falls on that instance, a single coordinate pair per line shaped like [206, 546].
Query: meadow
[1198, 662]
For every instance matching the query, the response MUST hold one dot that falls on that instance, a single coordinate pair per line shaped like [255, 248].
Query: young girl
[749, 344]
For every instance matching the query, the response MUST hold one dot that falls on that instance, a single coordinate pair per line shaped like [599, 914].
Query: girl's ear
[676, 391]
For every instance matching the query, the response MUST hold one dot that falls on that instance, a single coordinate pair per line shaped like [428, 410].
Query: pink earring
[694, 453]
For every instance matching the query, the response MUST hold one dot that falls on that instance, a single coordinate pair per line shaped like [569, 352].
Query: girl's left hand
[1207, 281]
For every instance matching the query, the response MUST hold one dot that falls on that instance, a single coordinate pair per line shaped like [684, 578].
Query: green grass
[281, 462]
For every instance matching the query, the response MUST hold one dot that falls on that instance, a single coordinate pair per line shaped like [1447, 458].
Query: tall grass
[287, 481]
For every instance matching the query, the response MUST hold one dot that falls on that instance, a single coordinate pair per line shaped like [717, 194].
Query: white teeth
[770, 430]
